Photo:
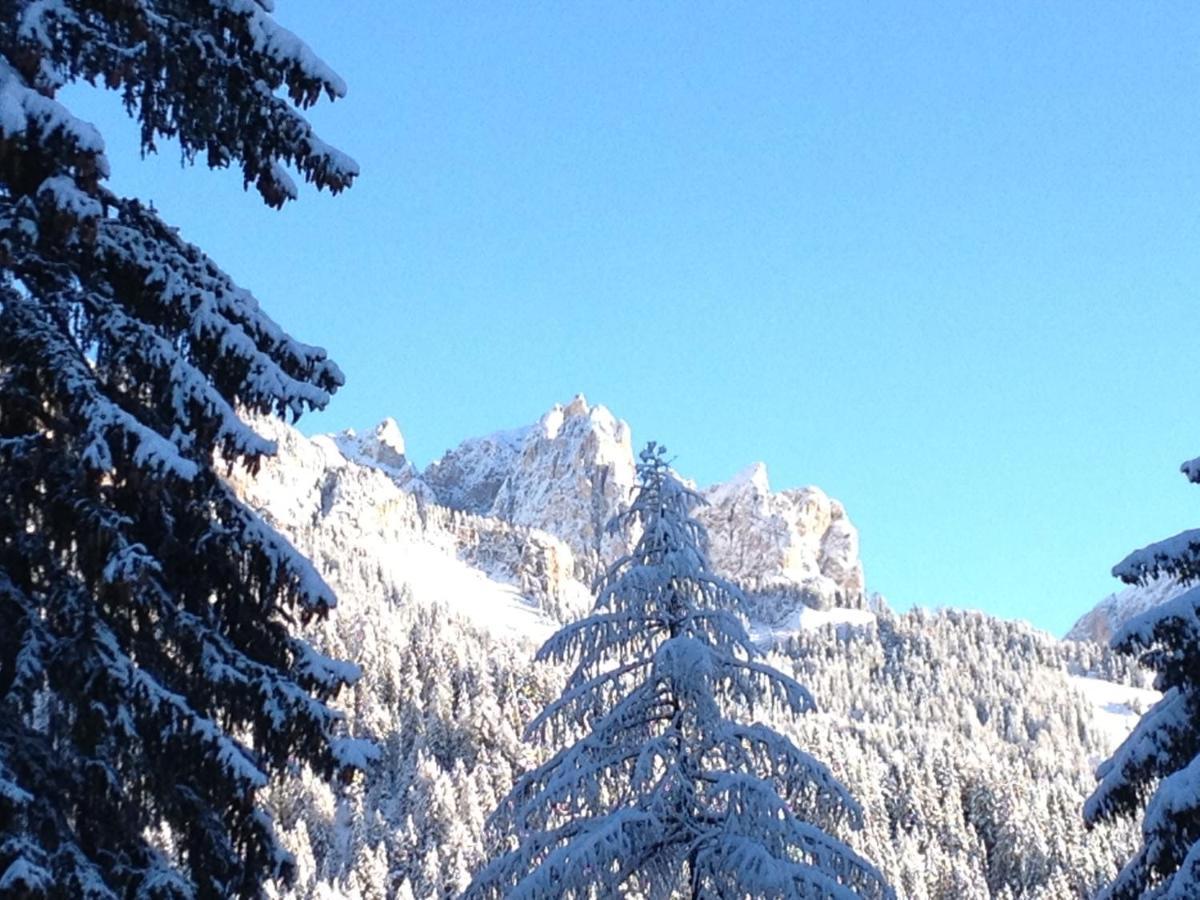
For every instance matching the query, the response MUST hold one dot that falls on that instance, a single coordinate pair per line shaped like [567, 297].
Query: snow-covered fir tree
[151, 681]
[1158, 765]
[668, 792]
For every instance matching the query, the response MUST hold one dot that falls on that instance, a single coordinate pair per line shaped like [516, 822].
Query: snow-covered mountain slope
[363, 521]
[1101, 622]
[970, 741]
[1118, 706]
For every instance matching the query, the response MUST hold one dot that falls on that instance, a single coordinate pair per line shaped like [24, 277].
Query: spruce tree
[150, 678]
[668, 792]
[1157, 768]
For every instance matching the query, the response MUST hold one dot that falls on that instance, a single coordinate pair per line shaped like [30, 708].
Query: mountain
[1107, 617]
[795, 547]
[527, 510]
[969, 740]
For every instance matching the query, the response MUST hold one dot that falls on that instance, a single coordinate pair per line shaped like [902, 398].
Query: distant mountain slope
[1101, 622]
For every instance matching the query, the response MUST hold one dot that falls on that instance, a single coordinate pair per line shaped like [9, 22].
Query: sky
[940, 259]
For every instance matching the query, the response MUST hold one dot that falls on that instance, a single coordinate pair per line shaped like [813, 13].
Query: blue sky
[940, 259]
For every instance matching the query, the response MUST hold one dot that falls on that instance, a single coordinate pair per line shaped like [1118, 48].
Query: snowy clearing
[1118, 706]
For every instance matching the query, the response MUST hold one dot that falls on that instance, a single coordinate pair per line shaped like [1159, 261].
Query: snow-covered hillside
[969, 740]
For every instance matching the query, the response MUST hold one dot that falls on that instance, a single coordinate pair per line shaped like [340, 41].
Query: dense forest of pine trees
[168, 731]
[959, 735]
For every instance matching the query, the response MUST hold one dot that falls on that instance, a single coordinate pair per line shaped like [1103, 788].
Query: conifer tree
[150, 679]
[1158, 766]
[668, 793]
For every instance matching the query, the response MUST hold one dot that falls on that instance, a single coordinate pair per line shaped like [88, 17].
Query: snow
[551, 423]
[1141, 629]
[754, 477]
[22, 876]
[509, 438]
[1110, 614]
[20, 106]
[1118, 706]
[383, 448]
[435, 578]
[805, 618]
[388, 434]
[686, 661]
[355, 753]
[66, 195]
[283, 46]
[812, 619]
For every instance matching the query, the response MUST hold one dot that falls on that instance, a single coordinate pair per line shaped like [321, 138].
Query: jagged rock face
[384, 445]
[528, 509]
[470, 476]
[796, 542]
[574, 473]
[383, 449]
[370, 528]
[1107, 617]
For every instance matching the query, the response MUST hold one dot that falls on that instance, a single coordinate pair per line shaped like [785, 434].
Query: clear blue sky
[941, 259]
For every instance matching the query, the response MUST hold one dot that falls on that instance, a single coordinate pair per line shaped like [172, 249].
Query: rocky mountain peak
[751, 481]
[573, 474]
[469, 476]
[560, 482]
[572, 471]
[795, 544]
[382, 448]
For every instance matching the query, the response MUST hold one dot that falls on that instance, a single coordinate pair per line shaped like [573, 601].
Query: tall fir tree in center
[668, 793]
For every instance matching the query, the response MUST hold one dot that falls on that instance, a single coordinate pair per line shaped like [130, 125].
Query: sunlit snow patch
[438, 579]
[1118, 706]
[808, 619]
